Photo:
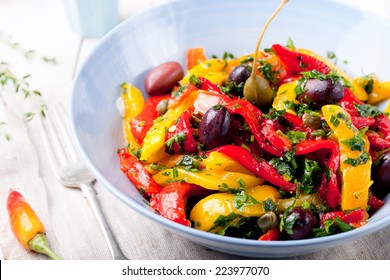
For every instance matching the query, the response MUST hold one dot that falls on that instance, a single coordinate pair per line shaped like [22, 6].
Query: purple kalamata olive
[239, 74]
[215, 127]
[318, 93]
[161, 79]
[381, 176]
[303, 222]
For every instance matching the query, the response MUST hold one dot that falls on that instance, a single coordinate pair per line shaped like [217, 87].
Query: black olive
[215, 127]
[318, 93]
[381, 176]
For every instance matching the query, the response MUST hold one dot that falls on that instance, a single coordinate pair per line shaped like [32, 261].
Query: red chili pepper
[254, 119]
[183, 127]
[355, 218]
[144, 121]
[328, 189]
[259, 167]
[137, 174]
[26, 225]
[297, 63]
[271, 235]
[171, 202]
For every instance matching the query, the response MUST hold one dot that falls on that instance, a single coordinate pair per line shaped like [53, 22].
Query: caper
[162, 107]
[267, 221]
[312, 119]
[258, 91]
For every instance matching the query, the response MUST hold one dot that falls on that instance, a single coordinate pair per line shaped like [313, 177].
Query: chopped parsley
[296, 136]
[367, 110]
[311, 174]
[290, 44]
[362, 159]
[190, 163]
[269, 205]
[178, 138]
[355, 143]
[242, 200]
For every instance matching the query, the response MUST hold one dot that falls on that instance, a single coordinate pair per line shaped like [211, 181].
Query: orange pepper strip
[195, 56]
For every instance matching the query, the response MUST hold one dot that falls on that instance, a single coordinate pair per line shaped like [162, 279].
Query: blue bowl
[165, 33]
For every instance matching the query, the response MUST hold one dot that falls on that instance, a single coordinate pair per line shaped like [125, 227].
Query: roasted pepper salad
[314, 162]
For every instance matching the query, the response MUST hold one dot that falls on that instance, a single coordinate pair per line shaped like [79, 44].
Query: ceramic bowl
[164, 33]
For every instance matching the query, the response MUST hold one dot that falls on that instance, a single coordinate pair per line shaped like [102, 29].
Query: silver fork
[71, 172]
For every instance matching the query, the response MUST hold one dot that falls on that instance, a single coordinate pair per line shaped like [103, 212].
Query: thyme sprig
[27, 53]
[9, 81]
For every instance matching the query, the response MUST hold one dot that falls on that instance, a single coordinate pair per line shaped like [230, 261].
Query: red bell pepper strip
[382, 124]
[208, 86]
[376, 141]
[257, 166]
[296, 62]
[183, 127]
[280, 142]
[208, 99]
[271, 235]
[329, 189]
[171, 202]
[348, 102]
[137, 174]
[355, 218]
[144, 121]
[361, 122]
[253, 117]
[26, 225]
[374, 202]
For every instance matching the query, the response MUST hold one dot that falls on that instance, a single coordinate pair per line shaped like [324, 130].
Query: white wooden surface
[42, 25]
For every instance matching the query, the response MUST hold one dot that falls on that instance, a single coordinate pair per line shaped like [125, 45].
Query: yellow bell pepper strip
[283, 204]
[219, 162]
[154, 140]
[134, 103]
[209, 209]
[257, 166]
[357, 90]
[286, 92]
[355, 160]
[26, 225]
[207, 179]
[211, 69]
[377, 91]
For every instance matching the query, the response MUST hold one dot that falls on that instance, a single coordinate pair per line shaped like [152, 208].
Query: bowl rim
[360, 232]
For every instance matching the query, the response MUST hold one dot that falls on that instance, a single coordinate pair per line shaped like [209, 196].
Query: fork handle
[91, 195]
